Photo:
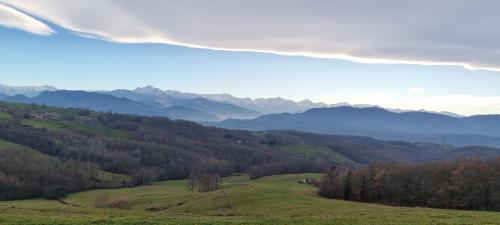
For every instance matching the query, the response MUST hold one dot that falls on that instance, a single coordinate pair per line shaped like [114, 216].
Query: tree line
[472, 184]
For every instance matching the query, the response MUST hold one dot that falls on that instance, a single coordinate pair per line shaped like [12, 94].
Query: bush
[55, 192]
[144, 176]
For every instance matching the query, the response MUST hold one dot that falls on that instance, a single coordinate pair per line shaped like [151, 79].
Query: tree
[464, 184]
[204, 182]
[55, 192]
[144, 176]
[347, 185]
[328, 183]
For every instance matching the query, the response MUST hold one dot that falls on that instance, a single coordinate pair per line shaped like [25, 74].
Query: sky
[328, 51]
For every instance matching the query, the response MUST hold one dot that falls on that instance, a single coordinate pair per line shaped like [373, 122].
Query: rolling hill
[382, 124]
[155, 148]
[44, 171]
[272, 200]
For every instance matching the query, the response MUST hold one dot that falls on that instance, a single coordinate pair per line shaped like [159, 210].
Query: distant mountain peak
[149, 90]
[29, 91]
[257, 105]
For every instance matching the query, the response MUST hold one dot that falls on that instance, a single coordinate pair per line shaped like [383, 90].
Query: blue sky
[70, 61]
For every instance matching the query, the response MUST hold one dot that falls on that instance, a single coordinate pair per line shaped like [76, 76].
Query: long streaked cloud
[10, 17]
[428, 32]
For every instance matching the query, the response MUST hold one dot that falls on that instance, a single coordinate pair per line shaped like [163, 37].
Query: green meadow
[269, 200]
[63, 126]
[4, 116]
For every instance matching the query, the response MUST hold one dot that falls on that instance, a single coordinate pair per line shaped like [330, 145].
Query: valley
[249, 112]
[268, 200]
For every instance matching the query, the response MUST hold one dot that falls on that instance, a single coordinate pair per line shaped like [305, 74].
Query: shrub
[55, 192]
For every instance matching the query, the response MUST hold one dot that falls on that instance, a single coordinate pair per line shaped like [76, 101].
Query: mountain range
[227, 111]
[261, 105]
[81, 149]
[221, 110]
[202, 107]
[29, 91]
[102, 102]
[381, 124]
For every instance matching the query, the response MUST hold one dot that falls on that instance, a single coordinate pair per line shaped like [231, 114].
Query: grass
[113, 178]
[269, 200]
[320, 152]
[7, 144]
[63, 126]
[4, 116]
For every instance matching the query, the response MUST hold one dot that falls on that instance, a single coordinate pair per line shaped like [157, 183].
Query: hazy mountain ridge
[29, 91]
[382, 124]
[261, 105]
[103, 102]
[268, 105]
[161, 99]
[224, 106]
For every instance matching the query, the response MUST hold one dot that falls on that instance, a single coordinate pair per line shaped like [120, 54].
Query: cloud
[10, 17]
[428, 32]
[417, 90]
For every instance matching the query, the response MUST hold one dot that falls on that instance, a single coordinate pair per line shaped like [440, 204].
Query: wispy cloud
[10, 17]
[424, 32]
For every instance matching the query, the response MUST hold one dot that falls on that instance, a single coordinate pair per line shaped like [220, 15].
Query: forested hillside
[382, 124]
[464, 184]
[78, 149]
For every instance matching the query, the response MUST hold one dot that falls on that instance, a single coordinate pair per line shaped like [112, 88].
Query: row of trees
[466, 184]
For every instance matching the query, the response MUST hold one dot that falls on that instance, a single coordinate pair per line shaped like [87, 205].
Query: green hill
[148, 149]
[268, 200]
[27, 173]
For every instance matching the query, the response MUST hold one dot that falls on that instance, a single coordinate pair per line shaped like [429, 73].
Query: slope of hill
[103, 102]
[160, 99]
[146, 148]
[382, 124]
[22, 180]
[154, 148]
[269, 200]
[461, 140]
[364, 150]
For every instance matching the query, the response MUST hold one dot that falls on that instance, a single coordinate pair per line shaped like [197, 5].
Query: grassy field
[62, 126]
[6, 144]
[269, 200]
[320, 152]
[4, 116]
